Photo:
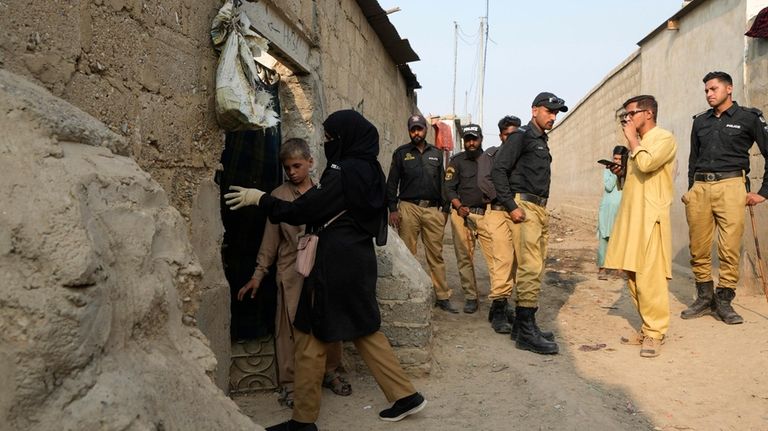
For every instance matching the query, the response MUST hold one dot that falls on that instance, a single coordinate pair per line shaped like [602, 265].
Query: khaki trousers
[287, 302]
[496, 240]
[463, 243]
[430, 224]
[310, 360]
[716, 206]
[649, 289]
[530, 243]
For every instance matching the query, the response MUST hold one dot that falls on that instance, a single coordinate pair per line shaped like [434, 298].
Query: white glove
[242, 197]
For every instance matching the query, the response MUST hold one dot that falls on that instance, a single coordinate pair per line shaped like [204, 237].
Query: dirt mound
[94, 268]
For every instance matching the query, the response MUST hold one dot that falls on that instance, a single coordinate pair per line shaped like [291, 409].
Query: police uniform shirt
[522, 165]
[722, 144]
[419, 176]
[461, 181]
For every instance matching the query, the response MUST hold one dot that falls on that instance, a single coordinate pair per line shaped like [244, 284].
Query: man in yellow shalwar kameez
[641, 240]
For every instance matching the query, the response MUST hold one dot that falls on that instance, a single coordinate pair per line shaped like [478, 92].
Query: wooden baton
[760, 268]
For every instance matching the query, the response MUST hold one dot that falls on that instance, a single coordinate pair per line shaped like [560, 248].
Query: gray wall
[669, 65]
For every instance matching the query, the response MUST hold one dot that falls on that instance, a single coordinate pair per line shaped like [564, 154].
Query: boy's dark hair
[294, 148]
[508, 120]
[721, 76]
[644, 101]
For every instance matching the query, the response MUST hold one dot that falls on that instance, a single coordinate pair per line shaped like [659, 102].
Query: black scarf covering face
[354, 147]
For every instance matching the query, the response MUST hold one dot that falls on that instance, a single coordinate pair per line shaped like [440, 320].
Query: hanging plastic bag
[240, 104]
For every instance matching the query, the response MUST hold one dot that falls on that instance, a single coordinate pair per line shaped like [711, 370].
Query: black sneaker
[445, 305]
[403, 408]
[292, 425]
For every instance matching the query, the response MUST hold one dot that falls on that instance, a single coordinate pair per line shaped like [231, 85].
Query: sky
[562, 46]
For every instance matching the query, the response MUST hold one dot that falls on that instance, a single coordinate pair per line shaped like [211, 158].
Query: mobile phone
[608, 163]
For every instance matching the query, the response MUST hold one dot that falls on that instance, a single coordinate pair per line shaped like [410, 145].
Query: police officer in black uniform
[468, 207]
[521, 175]
[718, 191]
[416, 204]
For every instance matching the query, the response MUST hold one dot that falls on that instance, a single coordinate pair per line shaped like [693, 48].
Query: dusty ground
[709, 377]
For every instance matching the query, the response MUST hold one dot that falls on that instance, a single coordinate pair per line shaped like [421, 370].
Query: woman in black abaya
[338, 300]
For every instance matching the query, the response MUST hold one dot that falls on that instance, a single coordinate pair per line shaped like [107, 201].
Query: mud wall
[146, 70]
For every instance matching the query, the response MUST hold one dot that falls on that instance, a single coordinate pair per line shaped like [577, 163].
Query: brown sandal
[337, 384]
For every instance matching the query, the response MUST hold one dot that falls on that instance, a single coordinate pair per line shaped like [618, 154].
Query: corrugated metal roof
[398, 49]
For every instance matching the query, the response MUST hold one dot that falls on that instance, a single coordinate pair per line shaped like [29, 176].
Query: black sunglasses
[632, 113]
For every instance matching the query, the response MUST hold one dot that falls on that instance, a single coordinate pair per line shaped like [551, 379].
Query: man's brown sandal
[337, 384]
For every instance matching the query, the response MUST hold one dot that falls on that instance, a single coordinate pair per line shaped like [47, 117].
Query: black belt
[424, 203]
[477, 210]
[538, 200]
[715, 176]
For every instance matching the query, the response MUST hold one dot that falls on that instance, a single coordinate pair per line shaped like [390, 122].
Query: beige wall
[674, 62]
[670, 66]
[756, 94]
[588, 134]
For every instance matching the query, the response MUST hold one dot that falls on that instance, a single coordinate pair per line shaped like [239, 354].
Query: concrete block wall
[756, 94]
[669, 65]
[711, 37]
[587, 134]
[355, 71]
[405, 299]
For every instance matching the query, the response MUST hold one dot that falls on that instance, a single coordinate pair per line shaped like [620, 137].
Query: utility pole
[466, 98]
[484, 47]
[455, 62]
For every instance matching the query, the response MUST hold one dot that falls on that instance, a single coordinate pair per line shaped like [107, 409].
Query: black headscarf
[354, 147]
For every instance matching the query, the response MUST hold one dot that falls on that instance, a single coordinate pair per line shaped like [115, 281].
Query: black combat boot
[549, 336]
[528, 336]
[704, 303]
[723, 298]
[498, 316]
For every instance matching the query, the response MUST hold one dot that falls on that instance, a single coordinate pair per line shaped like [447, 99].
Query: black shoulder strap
[755, 111]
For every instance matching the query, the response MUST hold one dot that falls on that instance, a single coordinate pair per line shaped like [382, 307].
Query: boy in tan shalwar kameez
[279, 244]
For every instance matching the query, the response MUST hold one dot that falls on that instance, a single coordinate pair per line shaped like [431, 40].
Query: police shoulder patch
[449, 173]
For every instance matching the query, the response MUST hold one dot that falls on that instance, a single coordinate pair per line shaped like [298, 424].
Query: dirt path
[709, 377]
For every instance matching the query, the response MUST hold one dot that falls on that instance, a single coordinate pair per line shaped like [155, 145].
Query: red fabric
[443, 136]
[760, 26]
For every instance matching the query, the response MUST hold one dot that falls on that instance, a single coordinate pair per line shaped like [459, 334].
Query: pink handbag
[307, 249]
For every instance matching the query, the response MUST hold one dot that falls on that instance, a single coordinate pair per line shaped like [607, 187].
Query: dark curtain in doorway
[250, 159]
